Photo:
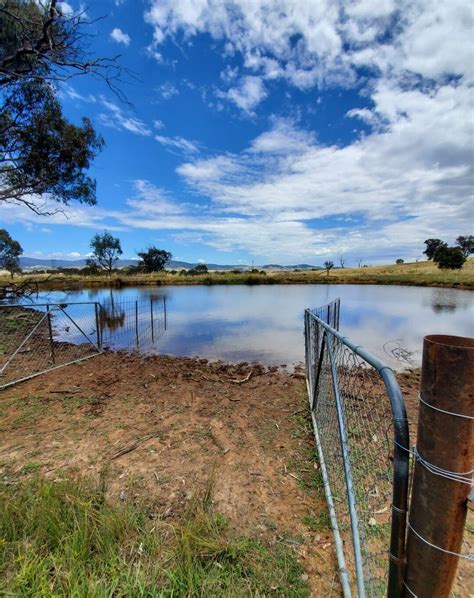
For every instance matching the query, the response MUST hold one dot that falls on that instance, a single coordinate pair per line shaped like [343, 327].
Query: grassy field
[418, 274]
[69, 539]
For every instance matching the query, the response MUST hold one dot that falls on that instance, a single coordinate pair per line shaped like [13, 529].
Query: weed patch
[68, 539]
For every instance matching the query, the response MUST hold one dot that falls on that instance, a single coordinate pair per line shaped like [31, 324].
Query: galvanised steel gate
[44, 336]
[361, 432]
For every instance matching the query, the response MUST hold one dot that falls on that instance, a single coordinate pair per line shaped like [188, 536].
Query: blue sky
[281, 131]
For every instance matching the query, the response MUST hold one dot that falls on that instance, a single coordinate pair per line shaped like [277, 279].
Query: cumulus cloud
[325, 42]
[120, 36]
[286, 196]
[248, 94]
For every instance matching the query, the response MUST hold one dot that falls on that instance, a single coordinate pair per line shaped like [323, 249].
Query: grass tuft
[67, 539]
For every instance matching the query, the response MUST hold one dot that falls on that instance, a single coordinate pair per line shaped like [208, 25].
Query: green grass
[318, 522]
[68, 539]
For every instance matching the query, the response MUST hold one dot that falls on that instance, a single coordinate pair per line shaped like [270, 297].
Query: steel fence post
[97, 325]
[136, 322]
[151, 320]
[51, 343]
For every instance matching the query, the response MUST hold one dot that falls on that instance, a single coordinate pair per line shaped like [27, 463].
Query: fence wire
[358, 413]
[131, 325]
[45, 336]
[35, 338]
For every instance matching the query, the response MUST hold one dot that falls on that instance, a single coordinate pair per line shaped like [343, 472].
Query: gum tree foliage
[400, 261]
[201, 269]
[10, 251]
[106, 250]
[431, 247]
[153, 259]
[451, 258]
[466, 244]
[42, 154]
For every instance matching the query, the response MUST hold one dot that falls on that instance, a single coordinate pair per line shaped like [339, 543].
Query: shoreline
[72, 282]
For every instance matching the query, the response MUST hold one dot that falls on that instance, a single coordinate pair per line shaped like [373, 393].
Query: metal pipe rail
[348, 388]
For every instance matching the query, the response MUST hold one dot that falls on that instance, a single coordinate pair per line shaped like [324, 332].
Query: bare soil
[162, 427]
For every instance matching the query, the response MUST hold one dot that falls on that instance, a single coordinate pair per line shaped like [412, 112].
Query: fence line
[36, 338]
[361, 433]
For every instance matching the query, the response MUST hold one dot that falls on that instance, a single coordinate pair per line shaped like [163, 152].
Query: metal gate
[361, 432]
[44, 336]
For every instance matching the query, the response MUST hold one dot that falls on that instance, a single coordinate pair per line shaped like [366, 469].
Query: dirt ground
[164, 426]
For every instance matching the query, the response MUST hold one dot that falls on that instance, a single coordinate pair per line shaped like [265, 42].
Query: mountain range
[33, 263]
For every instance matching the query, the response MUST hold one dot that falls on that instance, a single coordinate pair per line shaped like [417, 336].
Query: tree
[466, 244]
[106, 251]
[431, 246]
[342, 261]
[400, 261]
[42, 154]
[154, 259]
[10, 251]
[39, 40]
[201, 269]
[328, 266]
[451, 258]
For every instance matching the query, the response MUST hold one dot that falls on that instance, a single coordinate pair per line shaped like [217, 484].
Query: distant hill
[33, 263]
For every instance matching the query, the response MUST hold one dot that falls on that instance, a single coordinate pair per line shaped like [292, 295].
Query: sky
[273, 131]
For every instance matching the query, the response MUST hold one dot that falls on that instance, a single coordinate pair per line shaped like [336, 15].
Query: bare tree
[39, 40]
[342, 261]
[328, 265]
[359, 262]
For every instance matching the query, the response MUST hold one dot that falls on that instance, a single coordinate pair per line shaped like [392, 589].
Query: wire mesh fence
[35, 338]
[131, 325]
[360, 428]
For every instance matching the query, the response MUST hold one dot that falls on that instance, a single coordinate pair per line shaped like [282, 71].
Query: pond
[265, 323]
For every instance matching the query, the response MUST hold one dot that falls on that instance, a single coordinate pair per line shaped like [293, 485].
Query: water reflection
[112, 316]
[265, 323]
[449, 300]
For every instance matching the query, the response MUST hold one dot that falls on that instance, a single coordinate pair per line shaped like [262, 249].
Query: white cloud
[323, 43]
[66, 9]
[287, 197]
[178, 143]
[167, 90]
[115, 118]
[120, 36]
[283, 138]
[67, 91]
[248, 94]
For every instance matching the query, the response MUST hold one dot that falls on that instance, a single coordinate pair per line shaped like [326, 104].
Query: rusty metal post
[445, 440]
